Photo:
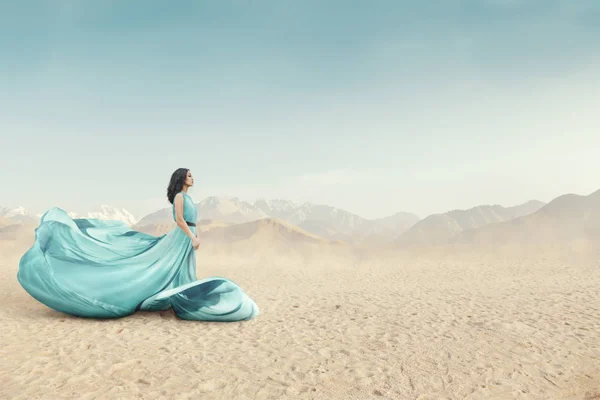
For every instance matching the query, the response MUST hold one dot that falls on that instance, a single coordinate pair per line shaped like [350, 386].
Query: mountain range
[229, 220]
[567, 218]
[331, 223]
[440, 228]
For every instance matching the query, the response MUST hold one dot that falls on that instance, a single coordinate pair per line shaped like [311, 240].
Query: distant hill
[566, 218]
[5, 221]
[162, 228]
[268, 237]
[262, 231]
[440, 228]
[17, 231]
[260, 234]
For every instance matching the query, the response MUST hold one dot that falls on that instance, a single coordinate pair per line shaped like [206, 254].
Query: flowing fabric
[104, 269]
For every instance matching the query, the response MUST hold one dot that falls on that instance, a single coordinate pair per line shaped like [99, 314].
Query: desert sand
[335, 323]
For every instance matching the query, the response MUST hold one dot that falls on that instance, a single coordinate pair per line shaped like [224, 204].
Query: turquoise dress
[104, 269]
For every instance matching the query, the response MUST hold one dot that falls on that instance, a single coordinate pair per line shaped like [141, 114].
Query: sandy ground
[394, 326]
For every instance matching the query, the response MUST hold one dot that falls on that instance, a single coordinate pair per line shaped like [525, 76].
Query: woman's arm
[179, 216]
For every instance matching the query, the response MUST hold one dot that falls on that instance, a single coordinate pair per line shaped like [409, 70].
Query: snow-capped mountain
[107, 212]
[276, 208]
[335, 223]
[17, 214]
[333, 218]
[338, 224]
[227, 209]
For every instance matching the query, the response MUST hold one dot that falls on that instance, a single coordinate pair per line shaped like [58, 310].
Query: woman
[103, 269]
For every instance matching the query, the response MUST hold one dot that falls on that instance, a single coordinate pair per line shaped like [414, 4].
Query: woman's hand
[195, 243]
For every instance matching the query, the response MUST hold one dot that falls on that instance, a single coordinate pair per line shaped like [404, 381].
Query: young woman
[103, 269]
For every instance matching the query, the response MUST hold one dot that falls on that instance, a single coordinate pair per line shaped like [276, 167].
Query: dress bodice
[190, 213]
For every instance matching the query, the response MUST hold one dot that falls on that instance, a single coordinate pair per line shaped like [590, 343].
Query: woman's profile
[103, 269]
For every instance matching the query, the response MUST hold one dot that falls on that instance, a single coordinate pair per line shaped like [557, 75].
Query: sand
[394, 326]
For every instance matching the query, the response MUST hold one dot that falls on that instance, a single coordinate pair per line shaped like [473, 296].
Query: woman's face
[189, 180]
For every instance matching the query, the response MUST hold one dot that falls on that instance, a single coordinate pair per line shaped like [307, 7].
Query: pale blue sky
[371, 106]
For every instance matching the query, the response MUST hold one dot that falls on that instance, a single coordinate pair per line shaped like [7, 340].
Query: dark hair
[176, 184]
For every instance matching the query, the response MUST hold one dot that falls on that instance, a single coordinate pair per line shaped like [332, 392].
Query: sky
[372, 107]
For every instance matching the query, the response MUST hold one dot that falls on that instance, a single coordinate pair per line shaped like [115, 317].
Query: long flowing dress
[103, 269]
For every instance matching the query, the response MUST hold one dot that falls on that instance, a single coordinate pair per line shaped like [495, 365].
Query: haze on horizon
[374, 109]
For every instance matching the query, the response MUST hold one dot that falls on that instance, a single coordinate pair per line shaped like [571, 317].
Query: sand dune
[204, 225]
[268, 239]
[267, 229]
